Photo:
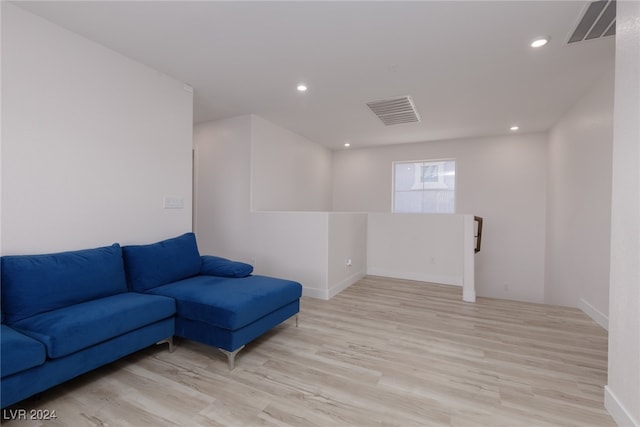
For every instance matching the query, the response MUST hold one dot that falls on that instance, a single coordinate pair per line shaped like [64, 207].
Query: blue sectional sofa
[65, 314]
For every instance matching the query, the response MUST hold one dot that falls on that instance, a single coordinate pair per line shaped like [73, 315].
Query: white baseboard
[597, 316]
[420, 277]
[469, 296]
[334, 290]
[315, 293]
[344, 284]
[617, 411]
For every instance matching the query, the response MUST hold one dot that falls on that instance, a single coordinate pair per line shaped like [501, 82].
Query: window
[424, 186]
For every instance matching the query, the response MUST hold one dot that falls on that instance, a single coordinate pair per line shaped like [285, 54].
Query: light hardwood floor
[384, 352]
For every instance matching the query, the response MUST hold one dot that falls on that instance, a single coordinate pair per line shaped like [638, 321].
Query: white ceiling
[467, 65]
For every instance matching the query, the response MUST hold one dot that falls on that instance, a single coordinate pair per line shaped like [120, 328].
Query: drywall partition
[470, 245]
[310, 247]
[622, 392]
[292, 245]
[347, 250]
[578, 227]
[502, 179]
[423, 247]
[92, 142]
[429, 248]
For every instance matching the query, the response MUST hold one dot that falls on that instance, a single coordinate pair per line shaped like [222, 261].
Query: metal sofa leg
[231, 356]
[167, 341]
[296, 320]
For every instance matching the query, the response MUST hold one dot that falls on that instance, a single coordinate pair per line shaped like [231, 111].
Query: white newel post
[468, 281]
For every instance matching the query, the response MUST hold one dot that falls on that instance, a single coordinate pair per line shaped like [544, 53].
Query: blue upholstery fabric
[33, 284]
[77, 327]
[18, 352]
[27, 383]
[70, 312]
[230, 303]
[233, 340]
[149, 266]
[216, 266]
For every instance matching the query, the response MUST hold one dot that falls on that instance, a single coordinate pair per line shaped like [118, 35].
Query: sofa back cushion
[157, 264]
[34, 284]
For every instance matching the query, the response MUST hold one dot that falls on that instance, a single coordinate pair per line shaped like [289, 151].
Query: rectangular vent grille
[395, 111]
[598, 20]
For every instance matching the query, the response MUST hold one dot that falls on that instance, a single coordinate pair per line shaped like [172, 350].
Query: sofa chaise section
[218, 301]
[228, 313]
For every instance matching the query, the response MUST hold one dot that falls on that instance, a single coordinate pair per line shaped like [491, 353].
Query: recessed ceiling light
[514, 128]
[347, 144]
[540, 41]
[302, 87]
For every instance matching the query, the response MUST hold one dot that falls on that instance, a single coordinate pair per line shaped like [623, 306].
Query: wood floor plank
[384, 352]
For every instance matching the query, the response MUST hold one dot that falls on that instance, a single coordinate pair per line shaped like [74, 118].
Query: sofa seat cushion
[34, 284]
[230, 303]
[19, 352]
[77, 327]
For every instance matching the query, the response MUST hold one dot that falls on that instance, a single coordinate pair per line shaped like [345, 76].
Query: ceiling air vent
[598, 20]
[395, 111]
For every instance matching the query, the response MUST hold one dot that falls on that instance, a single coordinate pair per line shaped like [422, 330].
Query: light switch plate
[173, 202]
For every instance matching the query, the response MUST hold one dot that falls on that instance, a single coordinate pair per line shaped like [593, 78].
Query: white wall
[288, 172]
[347, 241]
[223, 186]
[579, 204]
[622, 394]
[1, 116]
[502, 179]
[291, 245]
[305, 246]
[428, 248]
[91, 142]
[246, 164]
[310, 247]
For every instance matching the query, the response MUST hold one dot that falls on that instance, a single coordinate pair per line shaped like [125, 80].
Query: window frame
[440, 185]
